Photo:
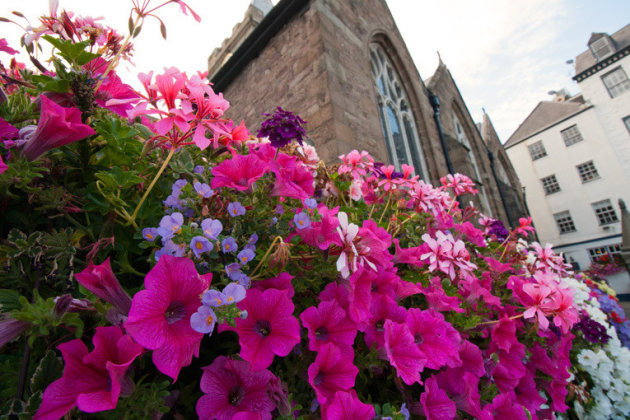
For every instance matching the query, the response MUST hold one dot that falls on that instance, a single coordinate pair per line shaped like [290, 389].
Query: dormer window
[601, 47]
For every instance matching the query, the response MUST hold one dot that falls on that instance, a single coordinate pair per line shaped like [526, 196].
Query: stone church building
[343, 66]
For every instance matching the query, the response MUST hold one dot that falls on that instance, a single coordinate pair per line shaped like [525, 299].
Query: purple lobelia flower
[211, 228]
[282, 127]
[203, 320]
[203, 190]
[199, 245]
[236, 209]
[310, 203]
[246, 256]
[159, 318]
[301, 220]
[149, 234]
[199, 169]
[229, 245]
[171, 225]
[172, 249]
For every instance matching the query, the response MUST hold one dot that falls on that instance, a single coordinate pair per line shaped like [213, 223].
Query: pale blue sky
[504, 55]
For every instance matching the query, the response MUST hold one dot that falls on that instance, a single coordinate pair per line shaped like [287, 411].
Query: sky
[505, 56]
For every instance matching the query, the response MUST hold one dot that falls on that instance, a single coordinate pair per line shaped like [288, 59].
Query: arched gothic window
[397, 122]
[463, 139]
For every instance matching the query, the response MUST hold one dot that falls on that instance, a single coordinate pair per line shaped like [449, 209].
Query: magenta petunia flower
[100, 280]
[239, 173]
[269, 329]
[382, 309]
[346, 405]
[159, 318]
[92, 381]
[331, 371]
[435, 337]
[328, 323]
[231, 387]
[403, 353]
[504, 333]
[435, 402]
[292, 178]
[57, 126]
[281, 282]
[3, 166]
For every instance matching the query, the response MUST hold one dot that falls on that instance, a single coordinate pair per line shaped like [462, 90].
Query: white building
[572, 156]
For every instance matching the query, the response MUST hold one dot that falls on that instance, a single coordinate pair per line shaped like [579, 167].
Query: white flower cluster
[606, 365]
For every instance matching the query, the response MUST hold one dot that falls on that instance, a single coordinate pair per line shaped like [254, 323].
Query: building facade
[343, 66]
[572, 156]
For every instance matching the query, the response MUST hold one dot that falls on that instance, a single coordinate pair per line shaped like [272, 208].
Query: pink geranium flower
[231, 387]
[239, 173]
[435, 402]
[100, 280]
[358, 164]
[269, 329]
[328, 323]
[346, 405]
[403, 353]
[92, 381]
[460, 184]
[445, 254]
[57, 126]
[159, 318]
[331, 371]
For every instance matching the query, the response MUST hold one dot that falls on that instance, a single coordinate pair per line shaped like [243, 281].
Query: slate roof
[545, 115]
[621, 39]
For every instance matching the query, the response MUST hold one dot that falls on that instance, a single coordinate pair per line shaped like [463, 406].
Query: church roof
[621, 40]
[545, 115]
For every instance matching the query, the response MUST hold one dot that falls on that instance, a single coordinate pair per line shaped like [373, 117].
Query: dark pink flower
[346, 405]
[57, 126]
[4, 46]
[382, 309]
[281, 282]
[269, 329]
[3, 166]
[92, 381]
[159, 318]
[100, 280]
[503, 406]
[435, 402]
[231, 387]
[293, 179]
[504, 333]
[239, 173]
[323, 233]
[328, 323]
[7, 131]
[331, 371]
[436, 339]
[403, 353]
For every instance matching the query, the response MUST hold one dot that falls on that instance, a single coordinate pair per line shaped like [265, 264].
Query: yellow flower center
[149, 236]
[230, 299]
[199, 245]
[210, 319]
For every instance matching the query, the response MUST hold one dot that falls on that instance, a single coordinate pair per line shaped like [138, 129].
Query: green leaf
[73, 53]
[9, 300]
[48, 370]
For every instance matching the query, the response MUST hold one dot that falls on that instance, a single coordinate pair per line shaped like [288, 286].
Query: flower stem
[494, 322]
[389, 199]
[132, 219]
[262, 260]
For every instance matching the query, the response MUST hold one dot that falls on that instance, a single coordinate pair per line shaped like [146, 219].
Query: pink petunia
[231, 387]
[436, 338]
[403, 353]
[323, 233]
[293, 179]
[269, 329]
[328, 323]
[346, 405]
[100, 280]
[3, 166]
[159, 318]
[92, 381]
[239, 173]
[504, 333]
[331, 371]
[382, 309]
[57, 126]
[281, 282]
[435, 402]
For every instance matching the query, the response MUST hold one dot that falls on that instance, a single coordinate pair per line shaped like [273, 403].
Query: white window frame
[571, 135]
[587, 171]
[616, 82]
[550, 184]
[605, 212]
[537, 150]
[564, 221]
